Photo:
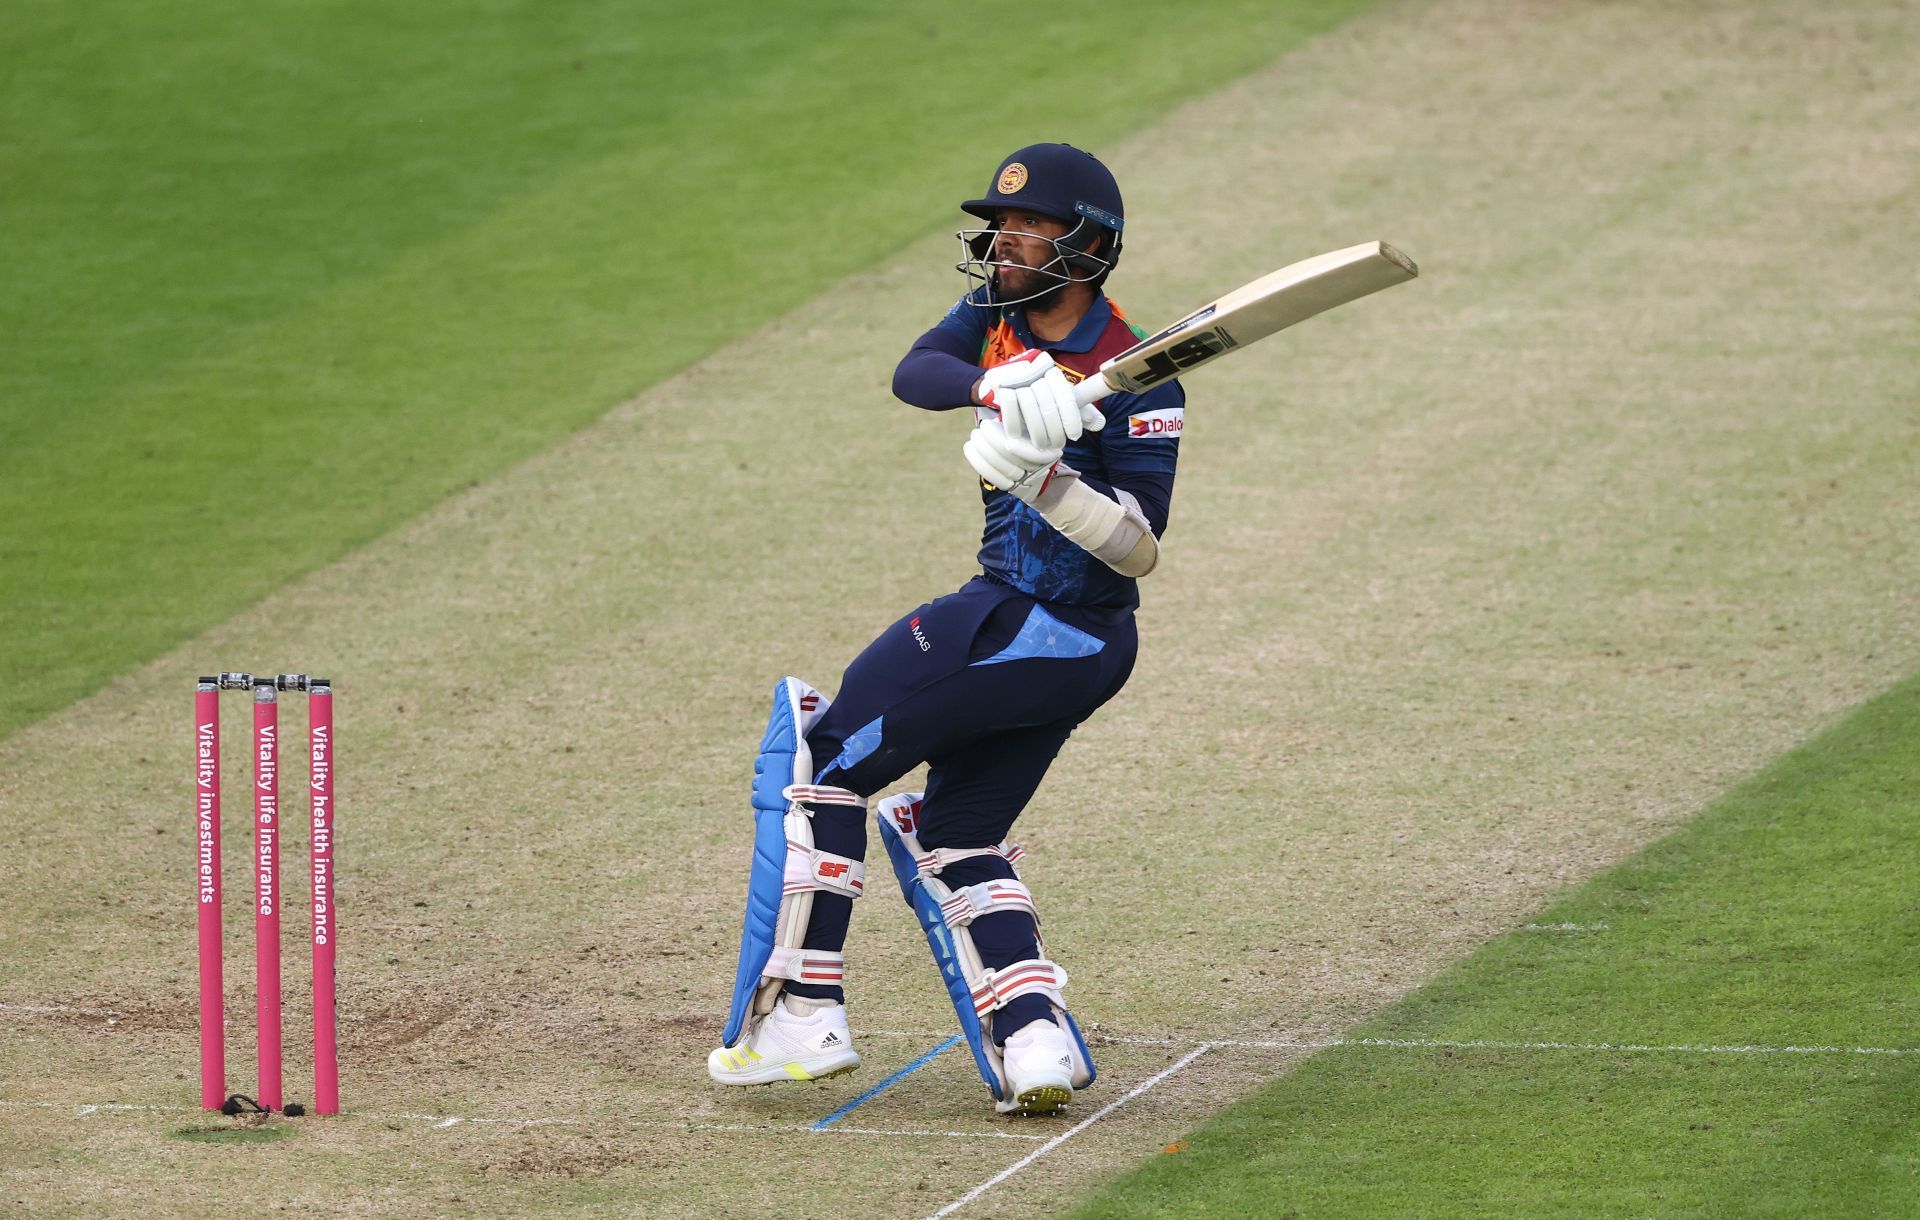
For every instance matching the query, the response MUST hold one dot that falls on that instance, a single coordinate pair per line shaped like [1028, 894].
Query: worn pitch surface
[1471, 589]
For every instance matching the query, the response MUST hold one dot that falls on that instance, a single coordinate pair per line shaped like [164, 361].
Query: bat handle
[1091, 390]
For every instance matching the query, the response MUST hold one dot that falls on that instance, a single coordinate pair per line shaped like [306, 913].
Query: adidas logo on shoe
[785, 1045]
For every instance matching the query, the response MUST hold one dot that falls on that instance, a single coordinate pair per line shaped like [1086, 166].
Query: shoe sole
[814, 1069]
[1047, 1099]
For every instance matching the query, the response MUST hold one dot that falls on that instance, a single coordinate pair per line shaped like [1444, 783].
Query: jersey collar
[1085, 333]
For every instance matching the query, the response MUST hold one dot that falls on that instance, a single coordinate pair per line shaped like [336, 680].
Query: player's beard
[1028, 287]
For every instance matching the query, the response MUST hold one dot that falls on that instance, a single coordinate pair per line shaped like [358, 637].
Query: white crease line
[445, 1122]
[1072, 1131]
[114, 1014]
[1563, 927]
[1649, 1048]
[50, 1010]
[440, 1122]
[1118, 1040]
[84, 1109]
[1322, 1044]
[977, 1135]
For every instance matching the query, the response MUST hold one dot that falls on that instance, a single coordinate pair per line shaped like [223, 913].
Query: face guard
[1071, 262]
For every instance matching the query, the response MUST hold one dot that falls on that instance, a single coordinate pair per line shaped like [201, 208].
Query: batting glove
[1036, 402]
[1015, 466]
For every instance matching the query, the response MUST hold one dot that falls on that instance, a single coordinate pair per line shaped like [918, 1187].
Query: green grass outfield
[1474, 589]
[280, 277]
[1726, 1025]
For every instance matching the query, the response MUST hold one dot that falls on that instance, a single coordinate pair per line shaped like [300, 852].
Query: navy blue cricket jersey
[1136, 452]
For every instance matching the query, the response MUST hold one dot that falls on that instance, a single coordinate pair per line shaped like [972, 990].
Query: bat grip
[1092, 389]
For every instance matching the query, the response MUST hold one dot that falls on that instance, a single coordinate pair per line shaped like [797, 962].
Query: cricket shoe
[1039, 1065]
[789, 1045]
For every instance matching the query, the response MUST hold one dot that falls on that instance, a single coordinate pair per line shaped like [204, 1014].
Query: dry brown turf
[1471, 589]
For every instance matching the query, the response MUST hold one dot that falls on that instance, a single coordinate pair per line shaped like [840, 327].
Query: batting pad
[787, 869]
[945, 915]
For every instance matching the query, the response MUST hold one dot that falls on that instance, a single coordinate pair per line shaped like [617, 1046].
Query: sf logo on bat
[1184, 355]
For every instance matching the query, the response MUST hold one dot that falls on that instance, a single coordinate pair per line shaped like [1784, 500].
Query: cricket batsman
[984, 684]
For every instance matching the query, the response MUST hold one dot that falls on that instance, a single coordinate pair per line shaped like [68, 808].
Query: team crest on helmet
[1012, 179]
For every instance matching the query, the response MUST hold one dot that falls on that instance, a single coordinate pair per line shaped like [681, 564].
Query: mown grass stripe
[1145, 1086]
[1801, 877]
[281, 278]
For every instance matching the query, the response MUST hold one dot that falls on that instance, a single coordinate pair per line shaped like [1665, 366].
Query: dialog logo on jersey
[1164, 422]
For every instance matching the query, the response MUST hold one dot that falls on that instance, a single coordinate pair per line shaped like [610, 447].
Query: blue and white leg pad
[945, 913]
[787, 869]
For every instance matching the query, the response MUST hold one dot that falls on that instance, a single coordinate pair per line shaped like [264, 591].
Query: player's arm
[1108, 522]
[1140, 449]
[939, 370]
[1117, 519]
[1120, 517]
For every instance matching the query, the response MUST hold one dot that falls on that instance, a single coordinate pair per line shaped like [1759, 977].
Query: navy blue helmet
[1063, 182]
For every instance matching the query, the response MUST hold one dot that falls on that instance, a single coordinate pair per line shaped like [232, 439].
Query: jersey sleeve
[1140, 447]
[939, 370]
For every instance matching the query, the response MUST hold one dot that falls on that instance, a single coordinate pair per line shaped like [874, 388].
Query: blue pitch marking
[886, 1084]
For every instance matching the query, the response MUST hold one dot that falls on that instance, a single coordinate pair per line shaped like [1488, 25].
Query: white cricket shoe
[786, 1045]
[1039, 1064]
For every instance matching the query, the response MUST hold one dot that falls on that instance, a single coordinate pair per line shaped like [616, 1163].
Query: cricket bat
[1247, 315]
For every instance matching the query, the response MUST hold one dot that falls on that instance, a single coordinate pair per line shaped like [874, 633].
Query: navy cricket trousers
[984, 685]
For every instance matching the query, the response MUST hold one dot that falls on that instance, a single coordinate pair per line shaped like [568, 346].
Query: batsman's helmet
[1068, 184]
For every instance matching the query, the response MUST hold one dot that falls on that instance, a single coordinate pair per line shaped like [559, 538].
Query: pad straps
[824, 794]
[805, 965]
[809, 869]
[997, 988]
[930, 861]
[970, 903]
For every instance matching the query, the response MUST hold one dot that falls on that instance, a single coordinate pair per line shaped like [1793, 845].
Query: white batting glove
[1015, 466]
[1036, 402]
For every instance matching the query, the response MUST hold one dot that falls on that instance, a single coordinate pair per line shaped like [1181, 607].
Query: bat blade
[1249, 314]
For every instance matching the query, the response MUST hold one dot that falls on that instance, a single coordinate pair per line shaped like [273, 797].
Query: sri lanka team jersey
[1134, 453]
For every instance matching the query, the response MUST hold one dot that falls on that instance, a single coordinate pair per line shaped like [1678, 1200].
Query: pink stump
[326, 928]
[213, 1014]
[266, 908]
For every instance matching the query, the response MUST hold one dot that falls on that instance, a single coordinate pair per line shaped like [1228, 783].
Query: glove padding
[1014, 465]
[1036, 402]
